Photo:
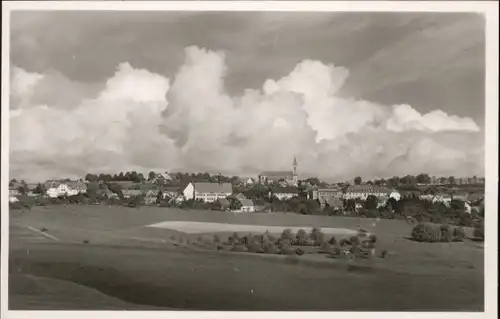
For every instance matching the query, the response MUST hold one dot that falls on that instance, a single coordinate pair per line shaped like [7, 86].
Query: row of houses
[363, 191]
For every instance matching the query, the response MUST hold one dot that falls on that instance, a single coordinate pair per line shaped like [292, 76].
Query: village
[271, 191]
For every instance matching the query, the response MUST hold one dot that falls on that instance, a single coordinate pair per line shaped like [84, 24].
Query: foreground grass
[145, 266]
[180, 278]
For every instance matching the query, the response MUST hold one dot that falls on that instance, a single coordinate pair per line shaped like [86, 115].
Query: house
[334, 203]
[259, 205]
[105, 192]
[461, 196]
[127, 193]
[70, 188]
[475, 198]
[395, 194]
[172, 191]
[363, 191]
[127, 184]
[323, 194]
[207, 192]
[382, 201]
[442, 198]
[285, 177]
[77, 187]
[161, 179]
[410, 194]
[151, 196]
[247, 205]
[248, 181]
[224, 203]
[284, 193]
[14, 192]
[239, 196]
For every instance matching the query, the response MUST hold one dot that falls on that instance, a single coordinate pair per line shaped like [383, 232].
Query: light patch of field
[205, 227]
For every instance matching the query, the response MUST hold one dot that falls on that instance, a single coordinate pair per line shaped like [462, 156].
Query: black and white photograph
[260, 158]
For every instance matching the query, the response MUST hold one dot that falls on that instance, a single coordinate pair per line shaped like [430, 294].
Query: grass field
[137, 266]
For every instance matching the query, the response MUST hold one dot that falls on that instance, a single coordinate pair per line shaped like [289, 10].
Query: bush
[270, 248]
[458, 233]
[433, 233]
[344, 242]
[287, 234]
[332, 241]
[283, 242]
[301, 238]
[267, 237]
[254, 246]
[216, 239]
[286, 250]
[299, 252]
[373, 238]
[317, 236]
[361, 232]
[479, 232]
[354, 240]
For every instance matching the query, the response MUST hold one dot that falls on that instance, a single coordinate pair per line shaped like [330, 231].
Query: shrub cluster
[434, 233]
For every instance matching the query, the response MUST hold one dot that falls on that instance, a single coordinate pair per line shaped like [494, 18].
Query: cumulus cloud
[406, 118]
[140, 120]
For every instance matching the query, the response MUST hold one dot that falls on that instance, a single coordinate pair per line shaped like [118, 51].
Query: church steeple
[295, 177]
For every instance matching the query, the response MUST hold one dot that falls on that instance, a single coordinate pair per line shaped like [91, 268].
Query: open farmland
[145, 266]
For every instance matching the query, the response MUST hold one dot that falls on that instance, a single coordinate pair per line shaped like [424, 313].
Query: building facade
[363, 191]
[207, 192]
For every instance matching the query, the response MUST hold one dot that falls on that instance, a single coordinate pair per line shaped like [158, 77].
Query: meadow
[111, 250]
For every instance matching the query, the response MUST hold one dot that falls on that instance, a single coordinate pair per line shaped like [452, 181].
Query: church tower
[295, 177]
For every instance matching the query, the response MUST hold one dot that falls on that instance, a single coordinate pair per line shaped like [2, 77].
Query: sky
[348, 94]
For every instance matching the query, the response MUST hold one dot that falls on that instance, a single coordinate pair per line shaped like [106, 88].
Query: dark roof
[224, 202]
[334, 202]
[366, 189]
[125, 184]
[285, 190]
[329, 190]
[213, 187]
[246, 202]
[174, 188]
[277, 173]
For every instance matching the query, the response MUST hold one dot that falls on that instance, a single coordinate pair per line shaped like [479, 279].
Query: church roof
[277, 173]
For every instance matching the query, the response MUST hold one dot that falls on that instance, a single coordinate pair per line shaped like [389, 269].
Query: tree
[358, 180]
[371, 202]
[451, 180]
[21, 190]
[350, 205]
[313, 181]
[12, 182]
[151, 176]
[39, 189]
[117, 189]
[234, 204]
[423, 178]
[159, 197]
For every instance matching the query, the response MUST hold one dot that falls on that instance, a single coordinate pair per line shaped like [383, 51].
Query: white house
[284, 193]
[395, 194]
[247, 205]
[323, 194]
[13, 199]
[207, 192]
[56, 188]
[441, 198]
[363, 191]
